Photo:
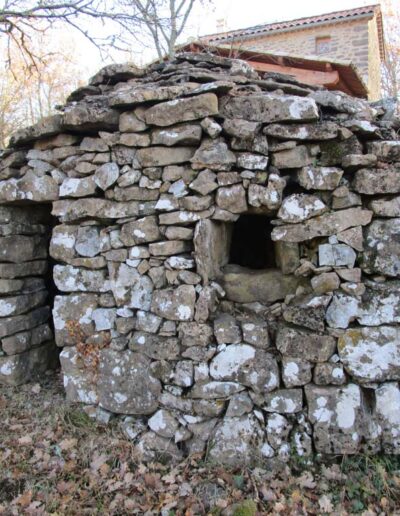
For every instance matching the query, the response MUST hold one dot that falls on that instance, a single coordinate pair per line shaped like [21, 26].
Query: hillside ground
[55, 460]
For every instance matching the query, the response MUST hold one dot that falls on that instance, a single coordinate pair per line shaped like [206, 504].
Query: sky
[233, 14]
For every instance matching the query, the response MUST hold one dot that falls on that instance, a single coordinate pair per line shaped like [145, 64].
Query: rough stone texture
[125, 385]
[382, 248]
[245, 285]
[164, 312]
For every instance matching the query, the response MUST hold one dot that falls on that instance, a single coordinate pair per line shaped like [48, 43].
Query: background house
[354, 35]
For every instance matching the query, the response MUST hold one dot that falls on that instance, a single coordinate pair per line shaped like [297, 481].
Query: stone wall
[149, 174]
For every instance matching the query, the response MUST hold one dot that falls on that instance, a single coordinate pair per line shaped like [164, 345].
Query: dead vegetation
[55, 460]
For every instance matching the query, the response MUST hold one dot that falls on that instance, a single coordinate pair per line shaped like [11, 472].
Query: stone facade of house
[224, 261]
[353, 39]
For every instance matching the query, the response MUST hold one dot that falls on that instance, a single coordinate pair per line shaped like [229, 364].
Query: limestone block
[22, 248]
[125, 385]
[185, 134]
[296, 372]
[74, 279]
[175, 304]
[72, 317]
[300, 343]
[284, 401]
[373, 181]
[371, 354]
[182, 110]
[319, 178]
[232, 198]
[140, 231]
[299, 207]
[382, 248]
[161, 156]
[23, 341]
[316, 131]
[18, 323]
[213, 155]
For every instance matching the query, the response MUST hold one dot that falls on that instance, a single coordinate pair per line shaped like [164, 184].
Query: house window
[251, 245]
[323, 45]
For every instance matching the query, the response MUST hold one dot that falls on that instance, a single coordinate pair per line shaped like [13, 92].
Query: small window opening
[251, 244]
[323, 45]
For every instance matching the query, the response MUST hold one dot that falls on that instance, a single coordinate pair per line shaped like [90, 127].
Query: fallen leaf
[325, 504]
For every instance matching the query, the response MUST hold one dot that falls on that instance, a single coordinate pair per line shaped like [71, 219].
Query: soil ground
[55, 460]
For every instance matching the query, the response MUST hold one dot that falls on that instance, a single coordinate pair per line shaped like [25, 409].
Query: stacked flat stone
[147, 171]
[26, 339]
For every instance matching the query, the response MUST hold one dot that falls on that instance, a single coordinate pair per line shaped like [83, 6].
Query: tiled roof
[291, 25]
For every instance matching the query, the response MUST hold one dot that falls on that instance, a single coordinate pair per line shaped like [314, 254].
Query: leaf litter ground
[55, 460]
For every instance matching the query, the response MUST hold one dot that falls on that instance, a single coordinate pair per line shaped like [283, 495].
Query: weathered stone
[195, 334]
[134, 390]
[237, 440]
[382, 248]
[385, 150]
[270, 196]
[352, 237]
[134, 140]
[130, 122]
[18, 323]
[74, 279]
[106, 175]
[344, 198]
[336, 255]
[16, 305]
[169, 247]
[292, 158]
[353, 162]
[287, 256]
[340, 101]
[75, 187]
[387, 399]
[152, 447]
[329, 373]
[29, 188]
[68, 211]
[296, 372]
[307, 311]
[214, 155]
[104, 318]
[185, 134]
[318, 131]
[175, 304]
[73, 312]
[161, 156]
[196, 203]
[21, 342]
[249, 366]
[255, 332]
[372, 181]
[266, 286]
[129, 288]
[333, 152]
[336, 414]
[239, 405]
[371, 354]
[90, 117]
[250, 161]
[342, 310]
[155, 346]
[163, 423]
[182, 110]
[299, 207]
[140, 231]
[319, 178]
[232, 198]
[242, 129]
[227, 330]
[284, 401]
[325, 282]
[18, 369]
[47, 126]
[323, 225]
[116, 72]
[62, 244]
[183, 373]
[385, 207]
[205, 182]
[269, 107]
[21, 248]
[21, 270]
[305, 344]
[215, 390]
[88, 242]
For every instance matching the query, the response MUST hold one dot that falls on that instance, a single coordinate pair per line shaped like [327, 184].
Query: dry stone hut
[217, 253]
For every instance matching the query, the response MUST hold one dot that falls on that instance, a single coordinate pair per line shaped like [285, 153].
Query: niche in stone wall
[243, 258]
[251, 245]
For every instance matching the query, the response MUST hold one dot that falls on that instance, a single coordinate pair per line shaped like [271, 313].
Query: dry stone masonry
[224, 261]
